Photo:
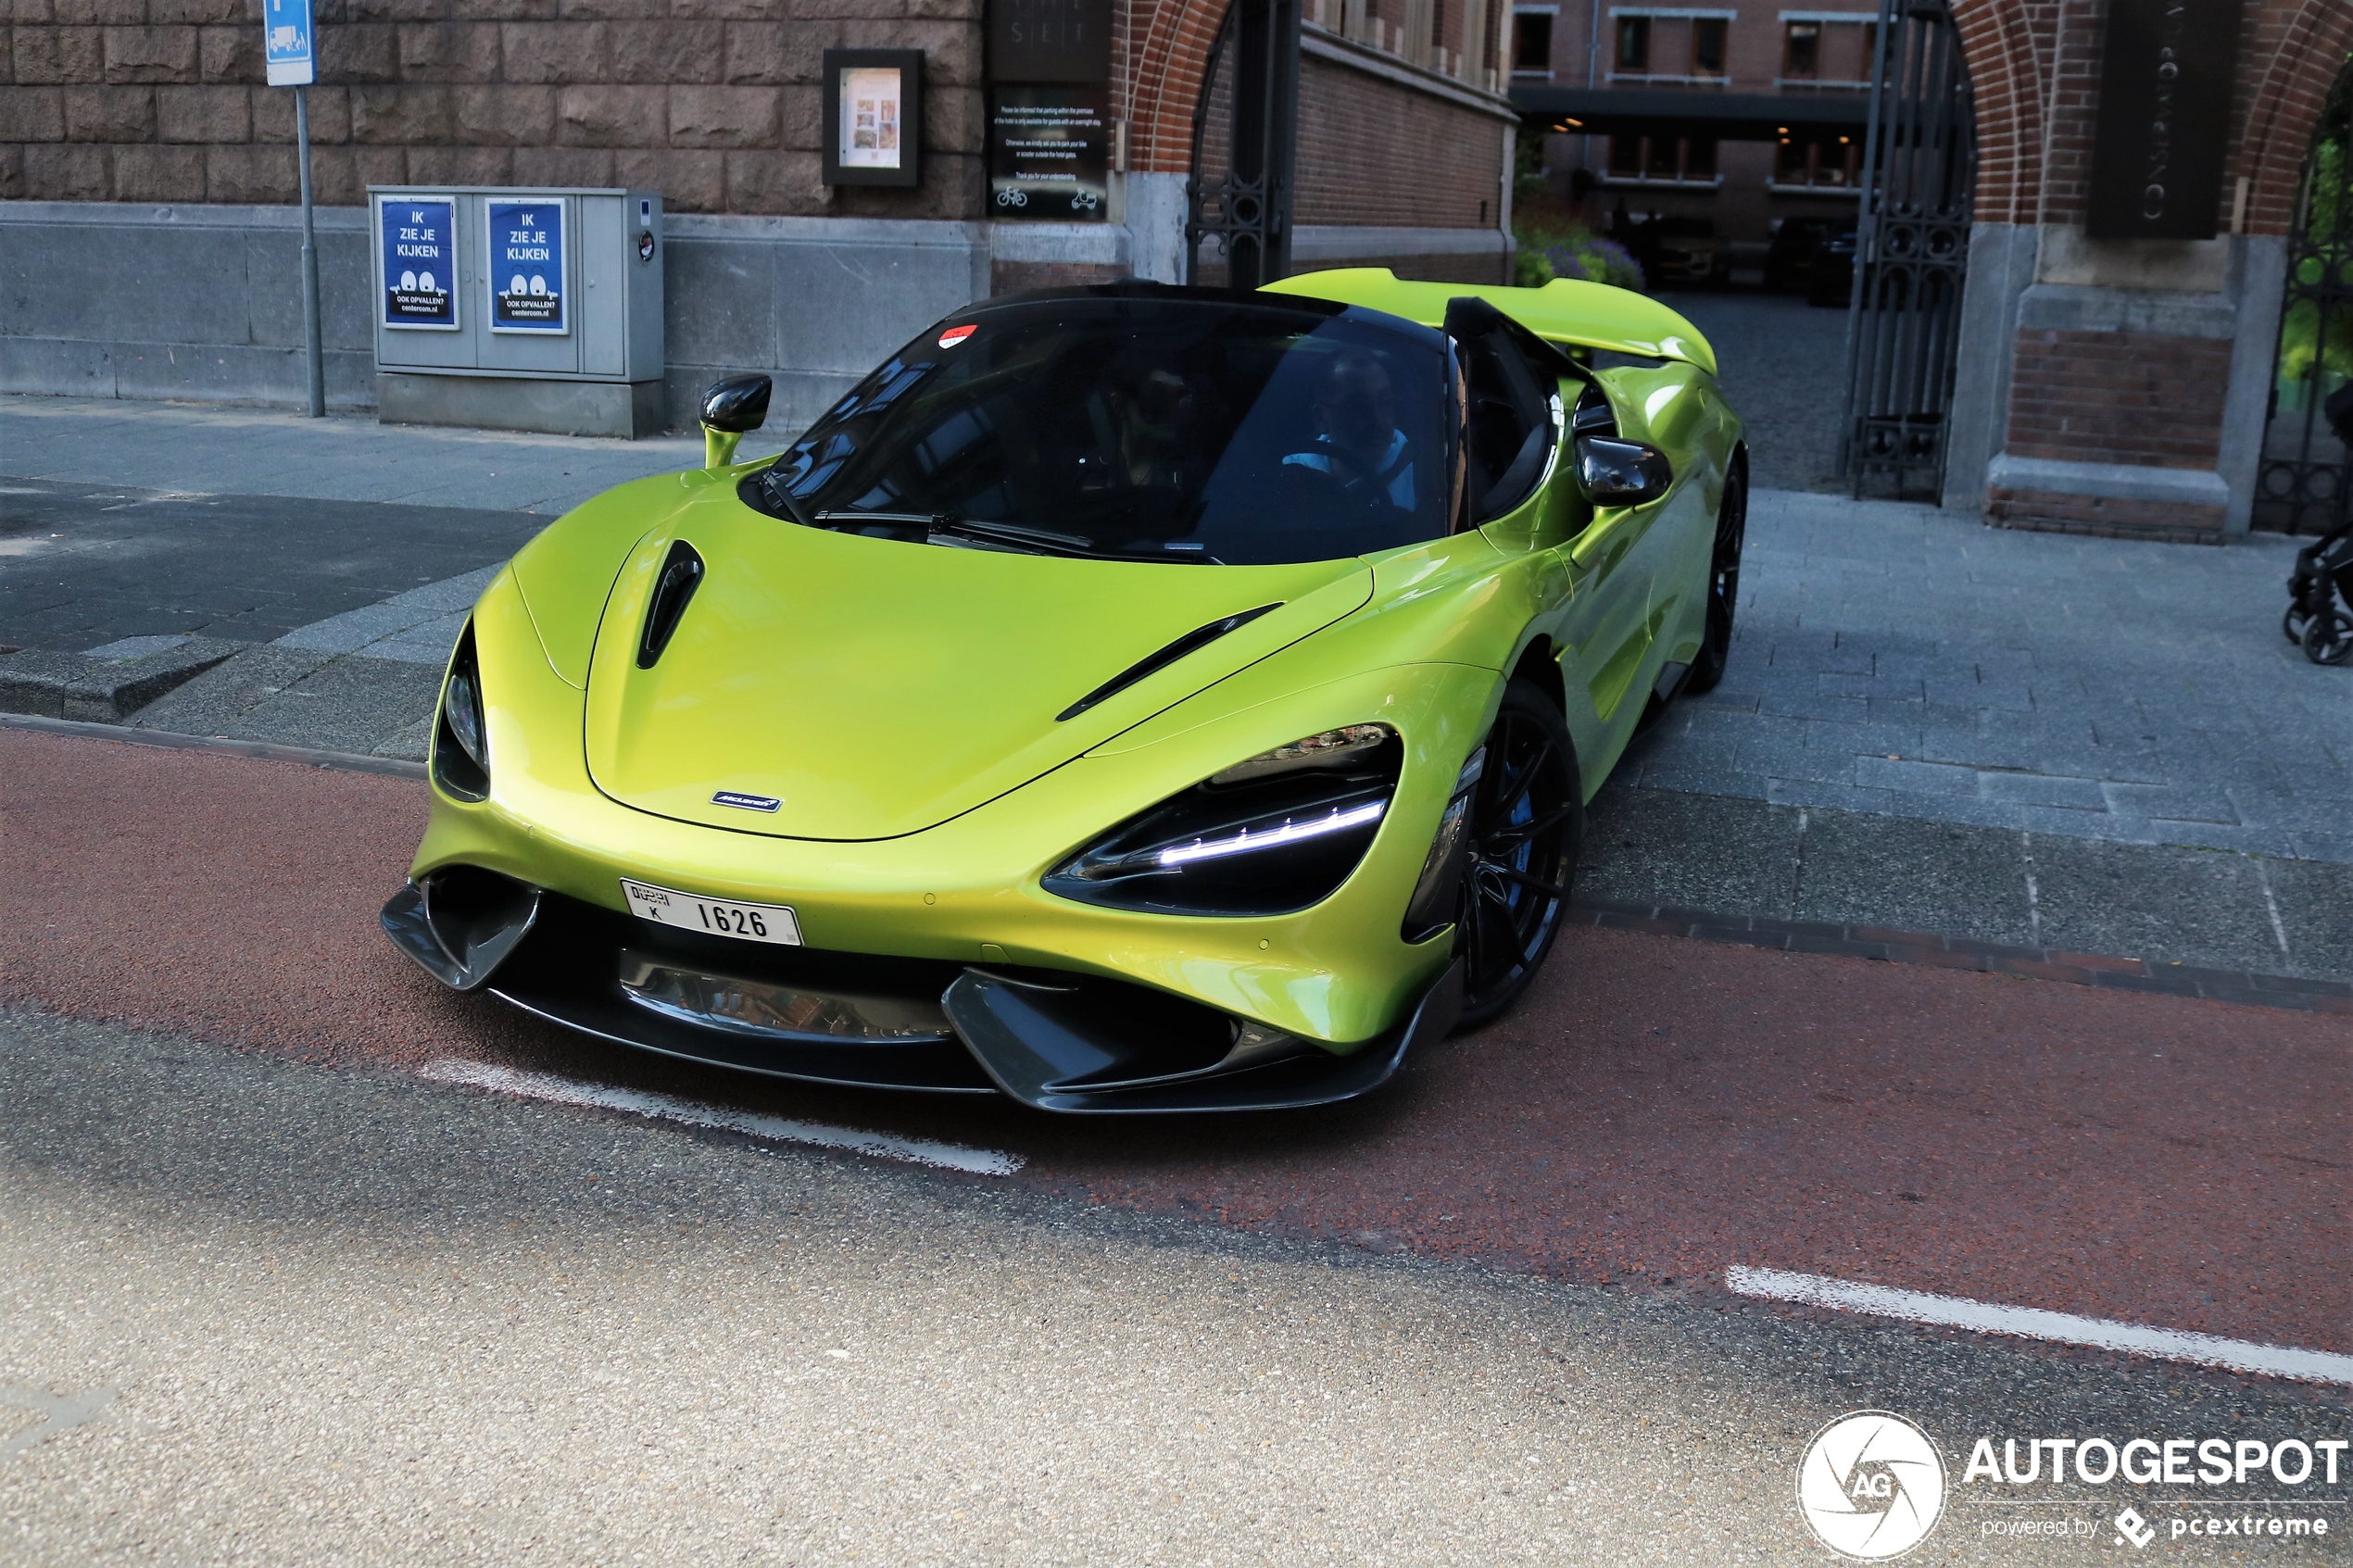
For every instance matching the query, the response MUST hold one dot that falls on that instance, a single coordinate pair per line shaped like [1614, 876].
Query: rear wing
[1580, 315]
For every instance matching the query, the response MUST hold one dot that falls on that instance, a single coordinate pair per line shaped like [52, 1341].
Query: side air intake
[681, 574]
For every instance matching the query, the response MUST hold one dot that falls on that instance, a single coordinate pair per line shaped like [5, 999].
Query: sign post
[289, 57]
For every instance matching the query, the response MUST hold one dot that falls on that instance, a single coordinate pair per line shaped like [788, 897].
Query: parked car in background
[1689, 250]
[1797, 250]
[1831, 280]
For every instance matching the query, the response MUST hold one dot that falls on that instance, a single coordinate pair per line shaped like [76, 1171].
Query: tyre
[2328, 638]
[2291, 624]
[1526, 824]
[1723, 580]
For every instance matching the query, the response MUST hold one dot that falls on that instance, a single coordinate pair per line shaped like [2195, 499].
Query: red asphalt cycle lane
[1659, 1108]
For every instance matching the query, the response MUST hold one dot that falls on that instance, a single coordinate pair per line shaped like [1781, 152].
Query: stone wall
[105, 300]
[715, 103]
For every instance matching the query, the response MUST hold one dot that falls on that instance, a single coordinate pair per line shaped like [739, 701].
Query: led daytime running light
[1290, 833]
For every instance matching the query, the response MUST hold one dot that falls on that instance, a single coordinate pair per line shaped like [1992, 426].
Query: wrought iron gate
[1245, 139]
[1911, 251]
[2302, 486]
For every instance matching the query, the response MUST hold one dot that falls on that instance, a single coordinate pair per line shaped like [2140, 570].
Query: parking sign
[286, 36]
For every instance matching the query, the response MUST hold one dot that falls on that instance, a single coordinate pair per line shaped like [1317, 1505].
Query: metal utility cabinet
[518, 309]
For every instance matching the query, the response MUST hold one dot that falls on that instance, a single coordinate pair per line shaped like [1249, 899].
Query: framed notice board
[873, 116]
[1050, 153]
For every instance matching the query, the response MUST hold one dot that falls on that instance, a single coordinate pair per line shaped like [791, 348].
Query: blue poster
[527, 266]
[419, 243]
[287, 35]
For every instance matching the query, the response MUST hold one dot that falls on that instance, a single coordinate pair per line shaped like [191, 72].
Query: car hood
[874, 688]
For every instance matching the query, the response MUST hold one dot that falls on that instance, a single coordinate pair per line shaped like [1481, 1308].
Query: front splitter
[1066, 1044]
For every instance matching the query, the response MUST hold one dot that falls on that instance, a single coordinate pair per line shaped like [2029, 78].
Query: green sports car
[1126, 698]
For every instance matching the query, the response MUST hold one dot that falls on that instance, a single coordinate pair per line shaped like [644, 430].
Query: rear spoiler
[1566, 311]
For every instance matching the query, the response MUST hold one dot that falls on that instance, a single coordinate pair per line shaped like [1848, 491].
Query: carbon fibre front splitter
[1056, 1041]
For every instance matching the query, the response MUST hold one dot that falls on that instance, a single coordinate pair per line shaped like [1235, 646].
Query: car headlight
[461, 740]
[1269, 835]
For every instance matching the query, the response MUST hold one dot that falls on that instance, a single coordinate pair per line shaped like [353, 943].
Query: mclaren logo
[745, 802]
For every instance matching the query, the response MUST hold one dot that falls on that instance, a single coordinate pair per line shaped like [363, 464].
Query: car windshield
[1173, 428]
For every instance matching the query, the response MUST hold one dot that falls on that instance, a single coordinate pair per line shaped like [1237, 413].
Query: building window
[1662, 158]
[1533, 42]
[1634, 46]
[1828, 165]
[1802, 50]
[1707, 46]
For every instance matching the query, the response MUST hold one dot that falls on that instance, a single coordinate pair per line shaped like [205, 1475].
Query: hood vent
[681, 574]
[1199, 638]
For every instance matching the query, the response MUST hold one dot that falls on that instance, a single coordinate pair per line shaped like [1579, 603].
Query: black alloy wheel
[1723, 580]
[1527, 823]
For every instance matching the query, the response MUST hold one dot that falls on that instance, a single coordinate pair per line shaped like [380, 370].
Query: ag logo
[1872, 1486]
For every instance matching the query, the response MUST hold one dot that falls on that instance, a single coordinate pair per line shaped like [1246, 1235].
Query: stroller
[2320, 608]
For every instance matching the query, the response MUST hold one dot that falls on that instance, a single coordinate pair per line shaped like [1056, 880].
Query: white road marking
[2032, 1322]
[565, 1091]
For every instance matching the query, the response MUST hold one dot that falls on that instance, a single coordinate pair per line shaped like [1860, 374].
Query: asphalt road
[84, 565]
[283, 1314]
[267, 1293]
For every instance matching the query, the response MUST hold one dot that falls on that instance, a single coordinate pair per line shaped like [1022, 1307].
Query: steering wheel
[1334, 457]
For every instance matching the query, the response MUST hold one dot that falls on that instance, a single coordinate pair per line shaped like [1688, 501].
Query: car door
[1592, 574]
[1606, 632]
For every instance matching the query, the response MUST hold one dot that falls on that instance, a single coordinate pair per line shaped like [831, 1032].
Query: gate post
[1911, 251]
[1248, 206]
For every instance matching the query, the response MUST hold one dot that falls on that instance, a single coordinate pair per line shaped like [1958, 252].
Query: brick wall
[1375, 152]
[713, 102]
[2034, 66]
[2119, 398]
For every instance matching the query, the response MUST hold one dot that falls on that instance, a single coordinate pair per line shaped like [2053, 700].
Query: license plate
[712, 917]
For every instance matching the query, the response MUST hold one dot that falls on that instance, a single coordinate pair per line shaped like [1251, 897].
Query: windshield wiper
[1043, 541]
[1012, 536]
[784, 497]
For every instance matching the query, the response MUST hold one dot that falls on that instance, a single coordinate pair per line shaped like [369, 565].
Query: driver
[1357, 442]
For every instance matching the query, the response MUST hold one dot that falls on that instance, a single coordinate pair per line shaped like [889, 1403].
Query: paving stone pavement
[1900, 660]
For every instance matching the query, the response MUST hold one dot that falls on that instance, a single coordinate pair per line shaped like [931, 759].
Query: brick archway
[2007, 62]
[1165, 58]
[2302, 51]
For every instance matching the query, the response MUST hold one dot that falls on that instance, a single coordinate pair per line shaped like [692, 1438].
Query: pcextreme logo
[1872, 1486]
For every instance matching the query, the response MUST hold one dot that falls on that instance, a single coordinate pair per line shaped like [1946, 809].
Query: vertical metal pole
[310, 261]
[1849, 459]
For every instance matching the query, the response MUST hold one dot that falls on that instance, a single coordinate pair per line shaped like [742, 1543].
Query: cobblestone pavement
[1900, 660]
[1783, 366]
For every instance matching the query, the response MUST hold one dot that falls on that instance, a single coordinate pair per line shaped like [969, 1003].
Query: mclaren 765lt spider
[1128, 698]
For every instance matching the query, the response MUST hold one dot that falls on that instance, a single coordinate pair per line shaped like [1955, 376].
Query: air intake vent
[681, 574]
[1199, 638]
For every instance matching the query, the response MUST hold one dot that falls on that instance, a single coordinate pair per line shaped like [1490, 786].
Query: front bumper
[1051, 1039]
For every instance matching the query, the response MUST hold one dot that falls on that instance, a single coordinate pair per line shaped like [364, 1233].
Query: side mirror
[729, 408]
[1618, 472]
